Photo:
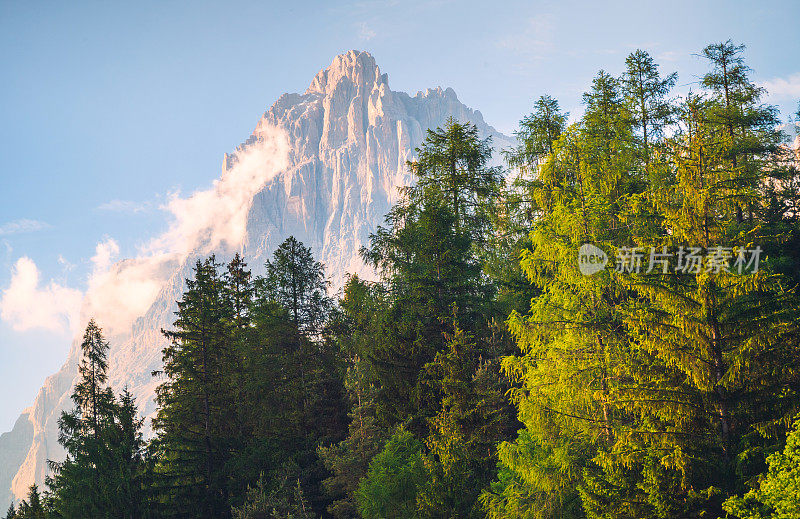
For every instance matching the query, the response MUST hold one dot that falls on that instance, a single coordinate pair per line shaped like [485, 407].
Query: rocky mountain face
[349, 138]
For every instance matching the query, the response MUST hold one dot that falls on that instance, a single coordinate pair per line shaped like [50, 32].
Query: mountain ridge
[349, 137]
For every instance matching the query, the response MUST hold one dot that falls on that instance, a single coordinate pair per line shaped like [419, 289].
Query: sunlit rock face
[349, 138]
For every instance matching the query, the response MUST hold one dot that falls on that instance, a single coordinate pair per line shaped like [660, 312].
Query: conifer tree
[90, 397]
[452, 167]
[105, 472]
[645, 93]
[355, 327]
[571, 339]
[297, 281]
[474, 416]
[392, 483]
[195, 401]
[32, 507]
[536, 135]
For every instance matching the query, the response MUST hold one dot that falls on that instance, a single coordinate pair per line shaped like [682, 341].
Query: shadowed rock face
[349, 139]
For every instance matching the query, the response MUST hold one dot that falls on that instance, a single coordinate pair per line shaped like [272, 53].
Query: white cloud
[788, 87]
[121, 291]
[217, 216]
[25, 305]
[65, 263]
[118, 292]
[23, 225]
[125, 206]
[365, 33]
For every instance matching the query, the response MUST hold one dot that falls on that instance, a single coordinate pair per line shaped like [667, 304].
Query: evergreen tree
[474, 415]
[395, 475]
[196, 401]
[105, 471]
[645, 93]
[313, 397]
[287, 501]
[90, 397]
[297, 281]
[572, 338]
[356, 326]
[32, 507]
[536, 135]
[451, 167]
[428, 257]
[777, 494]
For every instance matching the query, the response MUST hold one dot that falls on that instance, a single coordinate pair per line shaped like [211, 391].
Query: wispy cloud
[121, 290]
[125, 206]
[22, 226]
[783, 87]
[532, 43]
[365, 33]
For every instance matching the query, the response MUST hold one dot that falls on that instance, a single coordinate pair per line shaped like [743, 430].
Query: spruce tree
[356, 325]
[297, 281]
[536, 135]
[196, 401]
[32, 507]
[105, 470]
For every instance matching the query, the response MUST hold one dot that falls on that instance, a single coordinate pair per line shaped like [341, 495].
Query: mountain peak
[355, 68]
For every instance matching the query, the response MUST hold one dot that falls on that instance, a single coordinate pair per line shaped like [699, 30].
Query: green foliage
[106, 471]
[297, 282]
[778, 492]
[287, 501]
[537, 133]
[474, 415]
[642, 394]
[654, 394]
[196, 401]
[32, 507]
[356, 327]
[393, 480]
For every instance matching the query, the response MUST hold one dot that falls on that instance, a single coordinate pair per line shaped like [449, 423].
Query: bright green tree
[393, 480]
[778, 493]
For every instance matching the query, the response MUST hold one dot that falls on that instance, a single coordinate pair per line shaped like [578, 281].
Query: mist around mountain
[604, 323]
[324, 166]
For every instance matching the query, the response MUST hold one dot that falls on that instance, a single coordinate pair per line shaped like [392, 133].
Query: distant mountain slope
[349, 137]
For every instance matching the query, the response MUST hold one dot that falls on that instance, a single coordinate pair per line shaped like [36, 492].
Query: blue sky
[106, 109]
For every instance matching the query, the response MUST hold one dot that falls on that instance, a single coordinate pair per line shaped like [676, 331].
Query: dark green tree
[32, 507]
[105, 473]
[536, 134]
[196, 401]
[452, 167]
[356, 326]
[295, 280]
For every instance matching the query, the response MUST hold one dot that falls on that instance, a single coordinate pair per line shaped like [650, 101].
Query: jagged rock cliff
[349, 137]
